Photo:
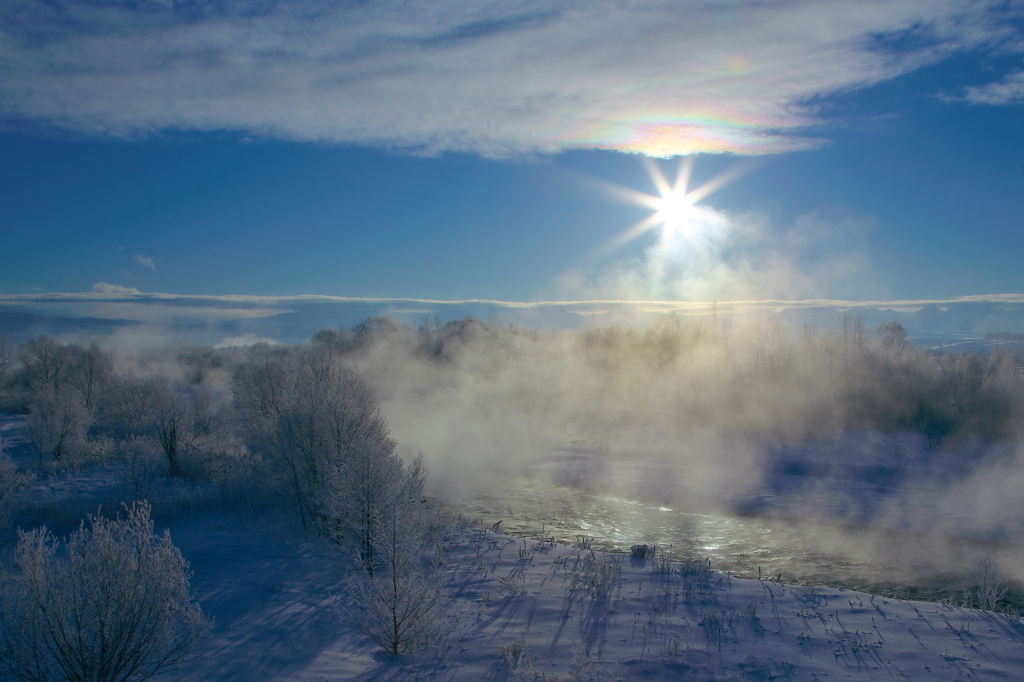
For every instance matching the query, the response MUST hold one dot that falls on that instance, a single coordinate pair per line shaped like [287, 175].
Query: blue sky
[454, 150]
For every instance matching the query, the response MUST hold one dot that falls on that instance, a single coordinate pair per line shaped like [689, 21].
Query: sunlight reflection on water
[801, 551]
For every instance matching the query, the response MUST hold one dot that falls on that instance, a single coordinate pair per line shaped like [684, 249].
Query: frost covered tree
[372, 482]
[893, 337]
[44, 360]
[991, 590]
[770, 351]
[6, 359]
[132, 403]
[57, 421]
[112, 604]
[402, 604]
[179, 418]
[366, 474]
[13, 485]
[320, 432]
[89, 371]
[183, 420]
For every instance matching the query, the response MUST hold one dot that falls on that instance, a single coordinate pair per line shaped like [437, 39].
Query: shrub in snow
[696, 569]
[511, 653]
[112, 604]
[643, 551]
[712, 618]
[600, 575]
[583, 542]
[401, 610]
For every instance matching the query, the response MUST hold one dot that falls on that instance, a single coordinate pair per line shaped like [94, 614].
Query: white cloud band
[663, 77]
[129, 304]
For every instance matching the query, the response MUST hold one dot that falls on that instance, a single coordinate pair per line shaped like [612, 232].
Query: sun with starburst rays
[691, 237]
[676, 215]
[675, 208]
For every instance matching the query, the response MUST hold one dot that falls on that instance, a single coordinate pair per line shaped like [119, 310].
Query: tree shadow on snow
[271, 601]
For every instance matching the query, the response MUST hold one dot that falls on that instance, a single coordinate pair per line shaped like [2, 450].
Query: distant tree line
[751, 377]
[193, 405]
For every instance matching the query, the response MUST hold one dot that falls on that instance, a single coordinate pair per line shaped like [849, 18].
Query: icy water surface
[880, 561]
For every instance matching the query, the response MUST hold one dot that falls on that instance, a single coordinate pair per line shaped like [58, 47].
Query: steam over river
[766, 536]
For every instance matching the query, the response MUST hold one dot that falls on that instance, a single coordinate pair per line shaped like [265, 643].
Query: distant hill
[19, 325]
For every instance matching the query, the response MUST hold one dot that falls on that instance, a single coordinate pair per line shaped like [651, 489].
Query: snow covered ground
[527, 609]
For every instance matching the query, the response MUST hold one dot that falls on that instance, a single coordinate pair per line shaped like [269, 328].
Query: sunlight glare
[675, 209]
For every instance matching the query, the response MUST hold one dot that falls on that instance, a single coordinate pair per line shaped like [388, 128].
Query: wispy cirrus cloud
[1010, 90]
[144, 261]
[663, 78]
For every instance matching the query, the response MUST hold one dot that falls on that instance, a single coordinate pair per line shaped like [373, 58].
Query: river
[767, 539]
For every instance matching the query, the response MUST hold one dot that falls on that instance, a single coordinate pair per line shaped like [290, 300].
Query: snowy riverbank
[558, 612]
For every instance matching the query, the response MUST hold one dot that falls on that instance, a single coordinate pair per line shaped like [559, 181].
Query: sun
[676, 214]
[674, 210]
[673, 205]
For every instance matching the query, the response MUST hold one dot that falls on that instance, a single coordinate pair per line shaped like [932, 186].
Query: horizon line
[126, 295]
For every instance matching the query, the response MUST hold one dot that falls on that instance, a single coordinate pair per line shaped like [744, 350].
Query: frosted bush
[583, 543]
[643, 551]
[991, 589]
[111, 603]
[139, 466]
[57, 422]
[13, 484]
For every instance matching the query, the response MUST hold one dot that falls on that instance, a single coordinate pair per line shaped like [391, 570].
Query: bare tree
[112, 604]
[852, 330]
[261, 386]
